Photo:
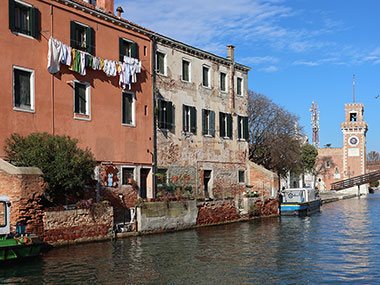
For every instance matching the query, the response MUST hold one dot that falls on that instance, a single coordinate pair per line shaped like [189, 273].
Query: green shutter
[34, 24]
[90, 40]
[221, 125]
[121, 51]
[73, 42]
[184, 118]
[239, 127]
[229, 126]
[11, 15]
[212, 123]
[160, 113]
[245, 128]
[204, 122]
[193, 119]
[135, 50]
[169, 115]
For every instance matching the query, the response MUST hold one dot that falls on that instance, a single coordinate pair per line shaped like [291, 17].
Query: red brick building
[82, 98]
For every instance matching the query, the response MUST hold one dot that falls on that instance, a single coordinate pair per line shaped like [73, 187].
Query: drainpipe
[52, 78]
[154, 157]
[231, 57]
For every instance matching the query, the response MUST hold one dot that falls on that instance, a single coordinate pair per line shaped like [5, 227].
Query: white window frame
[32, 89]
[208, 134]
[225, 118]
[187, 126]
[188, 61]
[225, 82]
[87, 116]
[241, 87]
[134, 173]
[84, 26]
[130, 47]
[133, 124]
[208, 76]
[29, 6]
[165, 63]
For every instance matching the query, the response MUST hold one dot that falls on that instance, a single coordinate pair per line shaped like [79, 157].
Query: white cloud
[256, 60]
[271, 68]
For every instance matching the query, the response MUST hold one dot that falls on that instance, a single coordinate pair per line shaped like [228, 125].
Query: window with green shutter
[127, 48]
[160, 63]
[239, 86]
[82, 37]
[185, 70]
[225, 124]
[205, 76]
[81, 98]
[223, 82]
[165, 114]
[24, 18]
[189, 119]
[208, 122]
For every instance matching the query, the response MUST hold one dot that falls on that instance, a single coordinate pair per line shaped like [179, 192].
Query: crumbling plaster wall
[176, 149]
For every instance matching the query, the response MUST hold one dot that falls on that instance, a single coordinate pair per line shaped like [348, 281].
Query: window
[225, 124]
[82, 37]
[328, 163]
[24, 18]
[127, 175]
[241, 175]
[3, 214]
[206, 76]
[128, 108]
[208, 122]
[189, 122]
[127, 48]
[239, 86]
[161, 63]
[223, 82]
[81, 99]
[353, 117]
[165, 114]
[242, 127]
[23, 88]
[186, 70]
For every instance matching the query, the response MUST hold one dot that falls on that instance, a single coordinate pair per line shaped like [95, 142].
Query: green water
[339, 245]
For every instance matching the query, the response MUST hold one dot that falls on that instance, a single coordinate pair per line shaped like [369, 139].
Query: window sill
[242, 140]
[82, 117]
[23, 35]
[208, 136]
[160, 74]
[18, 109]
[206, 87]
[184, 81]
[188, 133]
[129, 125]
[226, 138]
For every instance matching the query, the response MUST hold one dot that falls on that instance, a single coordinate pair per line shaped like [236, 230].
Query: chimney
[230, 52]
[119, 10]
[106, 5]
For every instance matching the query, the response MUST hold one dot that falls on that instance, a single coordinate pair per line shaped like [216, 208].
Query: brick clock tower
[354, 130]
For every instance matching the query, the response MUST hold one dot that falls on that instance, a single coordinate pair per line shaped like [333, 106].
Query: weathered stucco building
[202, 125]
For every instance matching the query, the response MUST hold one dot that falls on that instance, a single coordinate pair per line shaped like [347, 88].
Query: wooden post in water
[359, 191]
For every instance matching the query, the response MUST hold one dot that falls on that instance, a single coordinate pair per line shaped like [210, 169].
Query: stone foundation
[217, 212]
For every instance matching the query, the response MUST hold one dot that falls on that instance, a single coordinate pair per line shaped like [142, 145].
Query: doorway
[144, 172]
[206, 182]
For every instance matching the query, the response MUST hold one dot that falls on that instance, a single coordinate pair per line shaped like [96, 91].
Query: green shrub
[66, 168]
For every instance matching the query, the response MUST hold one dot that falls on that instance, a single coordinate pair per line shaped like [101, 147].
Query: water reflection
[340, 244]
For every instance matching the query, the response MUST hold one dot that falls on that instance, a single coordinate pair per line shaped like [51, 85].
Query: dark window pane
[80, 98]
[241, 176]
[185, 70]
[22, 88]
[239, 87]
[222, 81]
[205, 76]
[127, 173]
[160, 63]
[22, 18]
[127, 108]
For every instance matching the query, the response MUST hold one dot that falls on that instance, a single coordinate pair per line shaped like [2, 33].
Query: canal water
[339, 245]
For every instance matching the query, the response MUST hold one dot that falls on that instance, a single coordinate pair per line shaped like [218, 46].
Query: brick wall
[217, 212]
[79, 225]
[262, 180]
[25, 187]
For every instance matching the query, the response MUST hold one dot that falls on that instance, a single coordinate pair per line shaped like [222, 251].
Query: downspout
[154, 156]
[52, 78]
[231, 57]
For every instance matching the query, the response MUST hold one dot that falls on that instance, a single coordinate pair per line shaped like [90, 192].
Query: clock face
[353, 141]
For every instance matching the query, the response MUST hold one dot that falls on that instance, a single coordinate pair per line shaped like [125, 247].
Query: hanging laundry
[82, 63]
[55, 48]
[69, 55]
[63, 56]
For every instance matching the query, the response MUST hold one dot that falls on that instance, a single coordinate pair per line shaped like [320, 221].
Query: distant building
[351, 160]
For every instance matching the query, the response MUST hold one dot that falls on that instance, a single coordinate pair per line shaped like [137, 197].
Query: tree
[66, 168]
[274, 139]
[321, 166]
[308, 157]
[373, 156]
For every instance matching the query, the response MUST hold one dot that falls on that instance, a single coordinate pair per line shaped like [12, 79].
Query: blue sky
[300, 50]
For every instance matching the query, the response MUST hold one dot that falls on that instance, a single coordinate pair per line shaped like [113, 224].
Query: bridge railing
[357, 180]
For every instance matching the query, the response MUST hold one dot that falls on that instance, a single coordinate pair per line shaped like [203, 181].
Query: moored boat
[299, 202]
[15, 246]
